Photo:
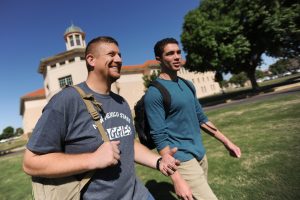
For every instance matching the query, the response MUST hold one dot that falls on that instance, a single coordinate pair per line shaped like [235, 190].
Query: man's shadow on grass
[161, 190]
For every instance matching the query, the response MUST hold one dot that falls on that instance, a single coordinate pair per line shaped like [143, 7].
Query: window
[71, 60]
[82, 58]
[71, 40]
[67, 80]
[53, 66]
[62, 63]
[77, 39]
[198, 79]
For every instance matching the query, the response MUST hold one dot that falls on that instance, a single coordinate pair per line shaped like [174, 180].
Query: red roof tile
[141, 66]
[35, 94]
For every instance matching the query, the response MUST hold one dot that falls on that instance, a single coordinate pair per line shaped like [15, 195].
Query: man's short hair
[160, 45]
[92, 45]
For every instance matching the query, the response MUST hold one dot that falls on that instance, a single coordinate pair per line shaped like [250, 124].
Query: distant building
[68, 68]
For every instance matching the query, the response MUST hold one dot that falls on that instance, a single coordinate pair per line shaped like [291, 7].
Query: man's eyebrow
[112, 52]
[170, 52]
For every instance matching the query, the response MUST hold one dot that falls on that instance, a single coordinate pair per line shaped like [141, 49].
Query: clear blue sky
[33, 29]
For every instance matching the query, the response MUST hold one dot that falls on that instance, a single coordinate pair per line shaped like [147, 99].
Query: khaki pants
[195, 174]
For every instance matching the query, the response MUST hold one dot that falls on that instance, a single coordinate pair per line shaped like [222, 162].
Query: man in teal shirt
[180, 127]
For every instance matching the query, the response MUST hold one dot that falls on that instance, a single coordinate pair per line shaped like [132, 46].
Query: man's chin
[176, 68]
[114, 77]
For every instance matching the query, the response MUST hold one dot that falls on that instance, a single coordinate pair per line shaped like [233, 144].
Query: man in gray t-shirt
[66, 142]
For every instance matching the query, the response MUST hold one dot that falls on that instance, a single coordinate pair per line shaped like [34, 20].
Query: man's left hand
[233, 150]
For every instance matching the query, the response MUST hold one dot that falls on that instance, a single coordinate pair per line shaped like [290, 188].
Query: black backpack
[140, 120]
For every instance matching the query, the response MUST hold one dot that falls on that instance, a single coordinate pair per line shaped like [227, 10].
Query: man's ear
[90, 59]
[158, 58]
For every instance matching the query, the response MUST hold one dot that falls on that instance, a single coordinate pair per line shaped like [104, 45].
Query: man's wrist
[90, 164]
[175, 177]
[158, 163]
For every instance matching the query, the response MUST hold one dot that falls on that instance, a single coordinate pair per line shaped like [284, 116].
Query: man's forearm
[54, 165]
[210, 128]
[144, 156]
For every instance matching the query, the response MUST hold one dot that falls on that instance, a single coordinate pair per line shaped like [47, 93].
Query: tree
[19, 131]
[231, 35]
[148, 78]
[8, 132]
[239, 79]
[259, 74]
[284, 65]
[279, 67]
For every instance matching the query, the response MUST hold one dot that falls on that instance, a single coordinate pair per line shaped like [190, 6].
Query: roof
[35, 95]
[149, 64]
[140, 68]
[73, 29]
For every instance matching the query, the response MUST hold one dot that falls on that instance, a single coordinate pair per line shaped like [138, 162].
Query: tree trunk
[251, 76]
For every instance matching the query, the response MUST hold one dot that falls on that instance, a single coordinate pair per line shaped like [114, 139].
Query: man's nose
[118, 59]
[177, 56]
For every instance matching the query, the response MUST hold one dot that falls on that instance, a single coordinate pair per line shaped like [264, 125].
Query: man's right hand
[108, 154]
[181, 187]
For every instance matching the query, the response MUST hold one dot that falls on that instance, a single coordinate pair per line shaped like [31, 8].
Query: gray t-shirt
[66, 126]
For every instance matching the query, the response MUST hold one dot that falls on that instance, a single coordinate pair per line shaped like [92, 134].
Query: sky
[33, 29]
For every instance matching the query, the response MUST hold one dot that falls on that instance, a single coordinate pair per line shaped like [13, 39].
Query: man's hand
[108, 154]
[181, 187]
[233, 150]
[168, 164]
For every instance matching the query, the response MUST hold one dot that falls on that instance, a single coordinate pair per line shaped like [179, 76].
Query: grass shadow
[161, 190]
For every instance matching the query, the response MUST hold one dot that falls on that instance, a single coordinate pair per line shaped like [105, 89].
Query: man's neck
[98, 85]
[168, 75]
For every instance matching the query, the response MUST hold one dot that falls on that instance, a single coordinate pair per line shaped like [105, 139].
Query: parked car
[274, 77]
[287, 73]
[266, 78]
[260, 80]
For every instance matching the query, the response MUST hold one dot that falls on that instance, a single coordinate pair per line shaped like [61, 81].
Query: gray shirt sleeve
[48, 134]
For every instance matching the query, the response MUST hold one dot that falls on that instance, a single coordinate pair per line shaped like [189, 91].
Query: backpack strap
[188, 84]
[90, 103]
[165, 94]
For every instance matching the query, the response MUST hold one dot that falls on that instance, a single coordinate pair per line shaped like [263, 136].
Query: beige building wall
[76, 69]
[131, 87]
[32, 112]
[204, 82]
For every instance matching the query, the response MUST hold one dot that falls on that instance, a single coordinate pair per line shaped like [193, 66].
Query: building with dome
[69, 68]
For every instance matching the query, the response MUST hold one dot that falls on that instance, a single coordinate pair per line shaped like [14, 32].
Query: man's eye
[112, 54]
[169, 53]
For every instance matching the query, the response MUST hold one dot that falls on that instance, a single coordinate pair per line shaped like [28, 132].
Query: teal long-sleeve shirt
[181, 127]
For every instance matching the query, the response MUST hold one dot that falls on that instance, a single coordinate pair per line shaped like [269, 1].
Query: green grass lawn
[268, 132]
